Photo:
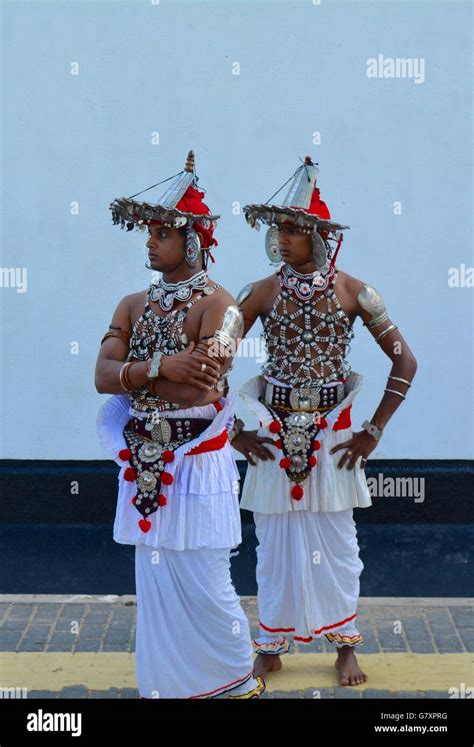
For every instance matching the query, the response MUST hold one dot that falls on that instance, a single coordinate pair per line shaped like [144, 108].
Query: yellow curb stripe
[390, 671]
[386, 671]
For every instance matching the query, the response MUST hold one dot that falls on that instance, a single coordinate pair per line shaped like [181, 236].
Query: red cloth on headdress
[192, 202]
[316, 206]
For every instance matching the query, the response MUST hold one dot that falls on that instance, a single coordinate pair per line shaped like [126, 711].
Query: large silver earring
[320, 255]
[192, 246]
[272, 245]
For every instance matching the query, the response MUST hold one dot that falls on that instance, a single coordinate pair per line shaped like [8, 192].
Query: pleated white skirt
[203, 503]
[267, 487]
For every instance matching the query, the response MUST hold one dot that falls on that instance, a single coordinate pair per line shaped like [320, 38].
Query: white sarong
[308, 570]
[192, 637]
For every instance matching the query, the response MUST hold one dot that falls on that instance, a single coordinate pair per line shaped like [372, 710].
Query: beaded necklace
[165, 294]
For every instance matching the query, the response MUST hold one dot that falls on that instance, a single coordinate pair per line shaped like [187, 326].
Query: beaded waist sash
[151, 447]
[298, 431]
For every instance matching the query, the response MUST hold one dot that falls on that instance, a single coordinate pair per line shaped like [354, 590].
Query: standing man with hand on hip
[306, 465]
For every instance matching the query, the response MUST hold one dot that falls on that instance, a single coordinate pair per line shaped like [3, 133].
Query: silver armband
[398, 378]
[386, 332]
[231, 329]
[244, 293]
[372, 302]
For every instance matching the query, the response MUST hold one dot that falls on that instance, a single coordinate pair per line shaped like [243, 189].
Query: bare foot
[265, 663]
[349, 671]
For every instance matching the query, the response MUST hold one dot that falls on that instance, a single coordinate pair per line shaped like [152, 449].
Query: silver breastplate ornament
[298, 354]
[165, 333]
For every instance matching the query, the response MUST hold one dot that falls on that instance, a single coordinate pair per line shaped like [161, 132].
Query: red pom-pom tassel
[162, 500]
[167, 456]
[285, 462]
[316, 444]
[144, 525]
[134, 499]
[218, 406]
[167, 478]
[279, 443]
[312, 461]
[297, 492]
[275, 426]
[130, 474]
[124, 454]
[322, 423]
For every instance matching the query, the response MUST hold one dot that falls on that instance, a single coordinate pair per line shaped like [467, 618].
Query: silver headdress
[302, 207]
[173, 210]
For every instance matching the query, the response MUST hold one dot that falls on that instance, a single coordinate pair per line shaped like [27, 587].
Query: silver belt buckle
[161, 432]
[268, 393]
[159, 428]
[304, 398]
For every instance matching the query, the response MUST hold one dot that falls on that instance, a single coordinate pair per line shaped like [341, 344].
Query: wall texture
[103, 99]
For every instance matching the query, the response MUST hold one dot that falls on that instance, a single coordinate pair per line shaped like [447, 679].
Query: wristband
[153, 367]
[372, 430]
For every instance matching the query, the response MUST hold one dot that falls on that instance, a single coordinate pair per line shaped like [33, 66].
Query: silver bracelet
[397, 378]
[372, 430]
[394, 391]
[237, 428]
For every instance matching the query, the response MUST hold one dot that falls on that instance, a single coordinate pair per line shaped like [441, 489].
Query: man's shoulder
[351, 284]
[220, 296]
[132, 298]
[263, 285]
[128, 302]
[255, 295]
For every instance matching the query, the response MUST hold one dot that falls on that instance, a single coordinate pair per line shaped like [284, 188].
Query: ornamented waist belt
[151, 447]
[297, 437]
[168, 430]
[309, 399]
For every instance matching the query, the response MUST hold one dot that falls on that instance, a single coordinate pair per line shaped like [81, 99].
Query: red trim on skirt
[316, 632]
[218, 690]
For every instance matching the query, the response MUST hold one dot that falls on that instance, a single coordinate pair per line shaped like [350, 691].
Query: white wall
[167, 68]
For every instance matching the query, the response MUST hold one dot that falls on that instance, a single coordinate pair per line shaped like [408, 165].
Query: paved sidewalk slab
[83, 646]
